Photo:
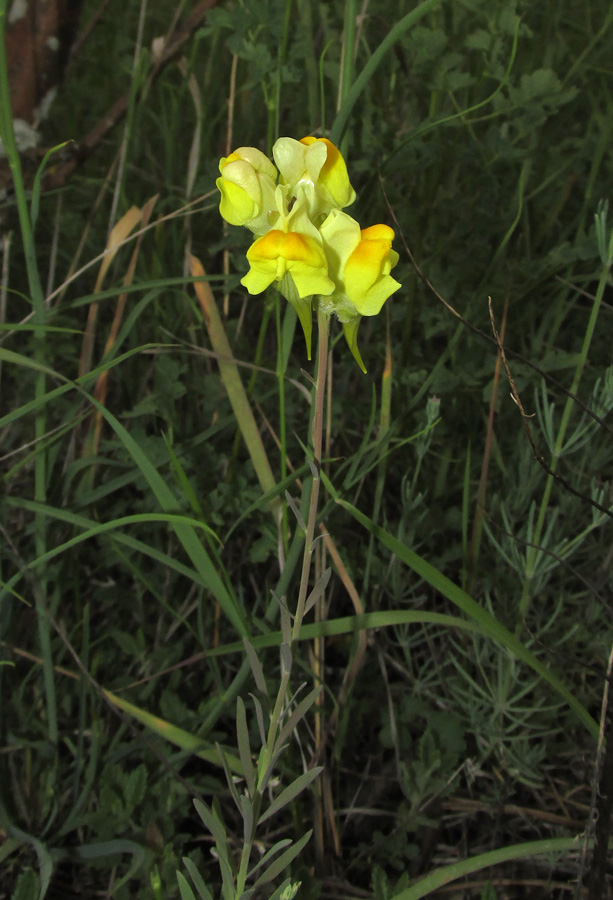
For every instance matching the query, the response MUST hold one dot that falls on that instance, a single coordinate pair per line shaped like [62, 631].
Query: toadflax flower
[292, 254]
[305, 243]
[293, 246]
[317, 166]
[247, 187]
[359, 262]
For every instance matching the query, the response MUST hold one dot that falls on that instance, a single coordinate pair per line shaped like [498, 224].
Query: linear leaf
[268, 856]
[286, 659]
[320, 586]
[256, 667]
[283, 861]
[25, 361]
[163, 494]
[229, 778]
[196, 877]
[300, 711]
[247, 814]
[244, 746]
[186, 891]
[65, 515]
[165, 497]
[291, 791]
[292, 504]
[394, 34]
[259, 715]
[215, 826]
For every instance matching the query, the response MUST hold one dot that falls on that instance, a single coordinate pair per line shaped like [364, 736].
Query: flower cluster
[303, 239]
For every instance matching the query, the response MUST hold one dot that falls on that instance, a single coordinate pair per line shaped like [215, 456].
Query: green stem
[317, 435]
[317, 438]
[281, 699]
[533, 551]
[282, 429]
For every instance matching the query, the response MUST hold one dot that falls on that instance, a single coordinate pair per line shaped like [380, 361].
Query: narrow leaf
[447, 874]
[295, 788]
[286, 659]
[268, 856]
[292, 504]
[256, 668]
[259, 714]
[244, 747]
[215, 826]
[233, 384]
[320, 586]
[300, 711]
[196, 877]
[186, 891]
[247, 814]
[229, 778]
[286, 623]
[283, 861]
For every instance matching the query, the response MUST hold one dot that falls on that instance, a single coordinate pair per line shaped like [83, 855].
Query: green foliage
[481, 133]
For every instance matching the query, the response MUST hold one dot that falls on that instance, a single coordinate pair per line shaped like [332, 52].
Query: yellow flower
[247, 186]
[304, 242]
[318, 167]
[291, 254]
[277, 253]
[359, 262]
[294, 246]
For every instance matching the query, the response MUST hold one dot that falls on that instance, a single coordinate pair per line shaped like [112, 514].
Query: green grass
[466, 623]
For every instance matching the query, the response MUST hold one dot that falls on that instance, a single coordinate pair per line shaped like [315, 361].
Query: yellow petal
[367, 280]
[333, 177]
[236, 206]
[276, 253]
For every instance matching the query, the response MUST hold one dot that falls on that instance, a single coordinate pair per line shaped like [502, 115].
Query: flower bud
[247, 186]
[359, 261]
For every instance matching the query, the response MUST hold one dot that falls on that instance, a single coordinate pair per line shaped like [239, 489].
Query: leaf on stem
[299, 713]
[292, 505]
[244, 747]
[196, 877]
[276, 848]
[286, 658]
[284, 860]
[291, 791]
[256, 668]
[320, 586]
[246, 810]
[259, 714]
[214, 824]
[229, 778]
[186, 891]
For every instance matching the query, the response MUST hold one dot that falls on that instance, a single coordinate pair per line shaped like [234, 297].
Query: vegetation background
[483, 137]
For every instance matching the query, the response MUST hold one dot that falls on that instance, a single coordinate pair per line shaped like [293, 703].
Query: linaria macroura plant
[319, 257]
